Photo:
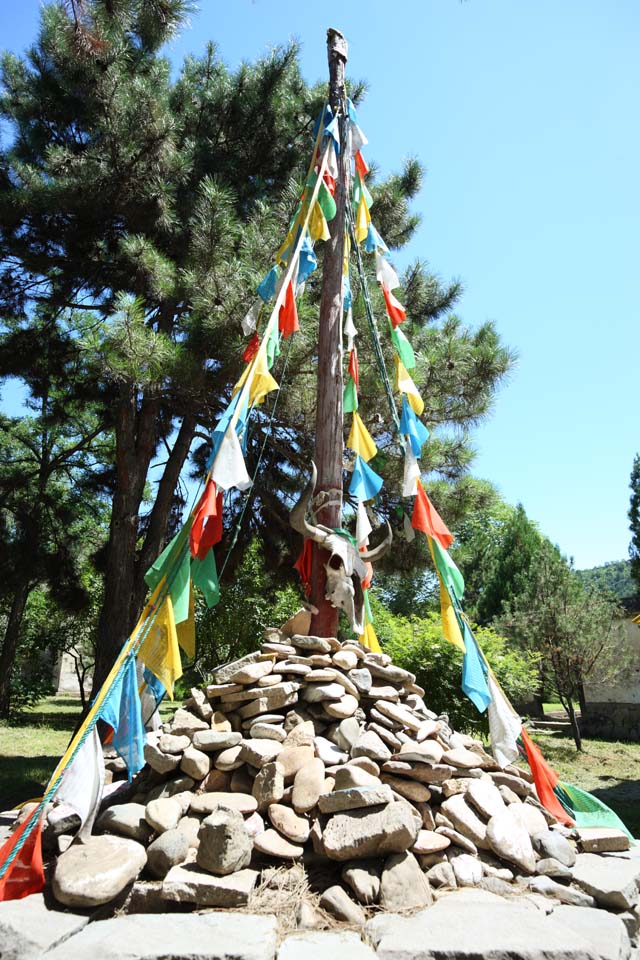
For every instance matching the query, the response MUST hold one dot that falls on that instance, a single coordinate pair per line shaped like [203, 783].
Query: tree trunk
[582, 700]
[10, 644]
[575, 728]
[329, 414]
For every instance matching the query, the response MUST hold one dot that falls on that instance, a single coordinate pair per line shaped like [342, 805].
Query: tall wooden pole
[329, 414]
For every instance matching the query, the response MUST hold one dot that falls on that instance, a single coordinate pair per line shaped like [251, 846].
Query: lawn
[30, 748]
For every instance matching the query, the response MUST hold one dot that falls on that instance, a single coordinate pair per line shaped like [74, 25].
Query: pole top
[337, 46]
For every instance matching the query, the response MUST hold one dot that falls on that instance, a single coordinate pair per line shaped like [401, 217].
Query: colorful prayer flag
[206, 529]
[288, 314]
[121, 710]
[404, 384]
[266, 289]
[474, 672]
[173, 565]
[204, 576]
[360, 440]
[386, 275]
[83, 782]
[412, 427]
[363, 219]
[396, 311]
[25, 874]
[427, 519]
[159, 650]
[504, 726]
[365, 483]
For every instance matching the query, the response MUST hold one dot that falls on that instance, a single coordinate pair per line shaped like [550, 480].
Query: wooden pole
[329, 414]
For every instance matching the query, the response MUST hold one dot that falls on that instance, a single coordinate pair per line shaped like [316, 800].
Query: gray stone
[223, 674]
[357, 834]
[127, 820]
[465, 820]
[317, 644]
[158, 760]
[602, 839]
[458, 839]
[510, 841]
[528, 817]
[207, 803]
[274, 845]
[267, 731]
[361, 679]
[93, 873]
[252, 672]
[258, 752]
[605, 933]
[28, 926]
[308, 784]
[399, 714]
[171, 789]
[225, 845]
[550, 843]
[345, 659]
[370, 745]
[328, 752]
[336, 901]
[206, 936]
[189, 827]
[229, 759]
[485, 797]
[169, 743]
[489, 928]
[428, 841]
[183, 723]
[467, 869]
[189, 884]
[352, 776]
[496, 885]
[268, 786]
[363, 876]
[354, 798]
[317, 692]
[549, 888]
[210, 740]
[337, 944]
[548, 867]
[442, 875]
[403, 885]
[170, 848]
[613, 881]
[163, 814]
[429, 751]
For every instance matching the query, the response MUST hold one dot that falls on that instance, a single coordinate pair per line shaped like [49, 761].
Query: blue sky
[524, 113]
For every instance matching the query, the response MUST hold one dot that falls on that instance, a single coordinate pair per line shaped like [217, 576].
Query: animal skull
[347, 567]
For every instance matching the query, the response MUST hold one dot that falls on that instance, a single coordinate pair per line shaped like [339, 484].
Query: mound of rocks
[325, 753]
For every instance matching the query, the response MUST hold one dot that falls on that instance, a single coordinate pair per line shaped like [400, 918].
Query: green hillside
[614, 576]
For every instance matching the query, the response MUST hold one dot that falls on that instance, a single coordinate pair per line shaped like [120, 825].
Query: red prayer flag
[427, 519]
[206, 529]
[303, 566]
[330, 182]
[288, 316]
[353, 367]
[545, 780]
[25, 875]
[361, 165]
[396, 311]
[251, 349]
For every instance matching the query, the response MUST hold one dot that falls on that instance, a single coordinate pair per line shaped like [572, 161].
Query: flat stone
[428, 841]
[169, 743]
[485, 797]
[354, 798]
[441, 875]
[163, 814]
[345, 659]
[549, 888]
[318, 644]
[127, 820]
[370, 745]
[458, 839]
[336, 901]
[189, 827]
[271, 695]
[381, 692]
[295, 669]
[293, 759]
[280, 650]
[318, 945]
[387, 736]
[271, 679]
[94, 872]
[252, 672]
[550, 843]
[409, 789]
[529, 818]
[211, 740]
[225, 846]
[363, 876]
[223, 674]
[403, 885]
[215, 690]
[308, 784]
[160, 761]
[349, 776]
[275, 845]
[519, 786]
[342, 709]
[216, 781]
[257, 752]
[290, 824]
[28, 926]
[461, 757]
[170, 848]
[273, 698]
[329, 753]
[185, 724]
[612, 881]
[174, 788]
[549, 867]
[357, 834]
[361, 679]
[197, 936]
[302, 735]
[267, 731]
[602, 840]
[195, 763]
[219, 722]
[605, 933]
[268, 786]
[429, 773]
[510, 841]
[189, 884]
[429, 751]
[229, 759]
[317, 692]
[299, 623]
[428, 728]
[206, 803]
[467, 869]
[465, 820]
[365, 763]
[400, 714]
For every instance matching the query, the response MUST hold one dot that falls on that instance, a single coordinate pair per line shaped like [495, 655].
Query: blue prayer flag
[267, 287]
[308, 260]
[121, 710]
[365, 483]
[474, 676]
[373, 241]
[413, 428]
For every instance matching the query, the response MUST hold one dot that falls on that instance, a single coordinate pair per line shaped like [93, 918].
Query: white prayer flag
[229, 469]
[82, 783]
[250, 322]
[363, 525]
[411, 473]
[385, 273]
[504, 725]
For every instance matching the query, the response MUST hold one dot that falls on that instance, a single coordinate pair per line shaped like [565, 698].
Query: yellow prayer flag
[360, 439]
[159, 650]
[186, 631]
[369, 639]
[262, 382]
[450, 626]
[318, 226]
[404, 384]
[363, 219]
[345, 259]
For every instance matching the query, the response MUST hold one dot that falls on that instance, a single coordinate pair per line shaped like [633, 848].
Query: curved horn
[298, 516]
[381, 549]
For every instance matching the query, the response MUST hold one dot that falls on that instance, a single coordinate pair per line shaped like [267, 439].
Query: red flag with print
[396, 311]
[25, 875]
[361, 165]
[288, 316]
[427, 519]
[206, 529]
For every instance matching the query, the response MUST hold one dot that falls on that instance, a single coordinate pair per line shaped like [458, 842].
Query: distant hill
[614, 576]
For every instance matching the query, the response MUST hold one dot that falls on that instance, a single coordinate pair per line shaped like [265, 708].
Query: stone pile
[320, 752]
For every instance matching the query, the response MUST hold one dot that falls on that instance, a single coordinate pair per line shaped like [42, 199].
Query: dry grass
[282, 891]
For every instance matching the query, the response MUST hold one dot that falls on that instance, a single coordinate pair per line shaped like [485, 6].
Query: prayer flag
[121, 710]
[358, 139]
[396, 311]
[350, 331]
[504, 726]
[353, 366]
[204, 576]
[326, 201]
[350, 397]
[404, 384]
[261, 380]
[369, 639]
[545, 779]
[288, 315]
[303, 565]
[374, 241]
[409, 532]
[363, 219]
[25, 874]
[186, 630]
[474, 672]
[365, 483]
[318, 226]
[251, 348]
[308, 260]
[360, 440]
[411, 473]
[206, 529]
[267, 287]
[404, 348]
[427, 519]
[173, 565]
[363, 524]
[83, 782]
[361, 165]
[229, 469]
[451, 576]
[385, 273]
[159, 649]
[413, 428]
[250, 321]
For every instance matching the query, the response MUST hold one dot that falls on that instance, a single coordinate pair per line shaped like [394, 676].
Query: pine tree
[634, 521]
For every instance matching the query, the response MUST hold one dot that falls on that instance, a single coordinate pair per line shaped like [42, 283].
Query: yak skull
[346, 567]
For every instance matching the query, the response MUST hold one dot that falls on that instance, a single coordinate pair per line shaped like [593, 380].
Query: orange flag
[545, 779]
[427, 519]
[206, 529]
[361, 165]
[353, 367]
[25, 874]
[288, 316]
[397, 313]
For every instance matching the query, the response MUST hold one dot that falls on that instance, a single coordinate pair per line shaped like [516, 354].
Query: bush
[417, 644]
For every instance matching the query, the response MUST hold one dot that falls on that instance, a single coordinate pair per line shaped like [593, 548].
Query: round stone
[195, 763]
[366, 763]
[229, 759]
[162, 815]
[343, 708]
[428, 841]
[242, 803]
[92, 873]
[462, 758]
[169, 743]
[409, 789]
[345, 659]
[292, 826]
[170, 848]
[308, 784]
[274, 845]
[293, 759]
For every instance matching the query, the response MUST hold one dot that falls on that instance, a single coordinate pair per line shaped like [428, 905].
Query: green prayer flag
[273, 346]
[451, 576]
[404, 348]
[360, 189]
[326, 201]
[350, 396]
[205, 576]
[173, 563]
[367, 607]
